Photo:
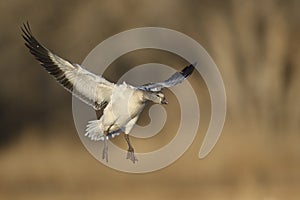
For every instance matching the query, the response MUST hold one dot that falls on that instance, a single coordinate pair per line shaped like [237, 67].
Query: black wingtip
[25, 28]
[187, 71]
[35, 48]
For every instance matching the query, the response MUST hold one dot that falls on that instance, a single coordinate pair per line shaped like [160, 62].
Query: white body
[119, 115]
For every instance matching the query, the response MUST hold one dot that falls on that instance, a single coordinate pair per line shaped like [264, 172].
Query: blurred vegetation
[256, 46]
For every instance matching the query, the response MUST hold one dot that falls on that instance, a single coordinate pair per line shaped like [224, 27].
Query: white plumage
[122, 103]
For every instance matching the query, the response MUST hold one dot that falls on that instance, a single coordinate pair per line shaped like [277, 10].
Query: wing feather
[175, 79]
[92, 89]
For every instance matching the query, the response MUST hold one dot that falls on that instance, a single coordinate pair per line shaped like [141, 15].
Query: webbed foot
[131, 156]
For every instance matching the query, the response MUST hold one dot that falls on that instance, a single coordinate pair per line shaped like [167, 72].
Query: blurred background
[256, 46]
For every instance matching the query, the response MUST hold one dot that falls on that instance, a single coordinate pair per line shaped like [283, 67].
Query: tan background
[256, 47]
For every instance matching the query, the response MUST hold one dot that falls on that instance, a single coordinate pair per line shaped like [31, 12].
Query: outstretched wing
[175, 79]
[88, 87]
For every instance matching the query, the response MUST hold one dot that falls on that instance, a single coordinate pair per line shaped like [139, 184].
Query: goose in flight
[121, 104]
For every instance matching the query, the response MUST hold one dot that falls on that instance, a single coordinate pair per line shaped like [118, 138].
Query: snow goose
[121, 104]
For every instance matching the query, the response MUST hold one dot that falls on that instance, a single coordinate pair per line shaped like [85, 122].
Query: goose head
[156, 97]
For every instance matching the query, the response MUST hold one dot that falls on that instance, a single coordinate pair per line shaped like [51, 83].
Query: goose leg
[105, 150]
[130, 151]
